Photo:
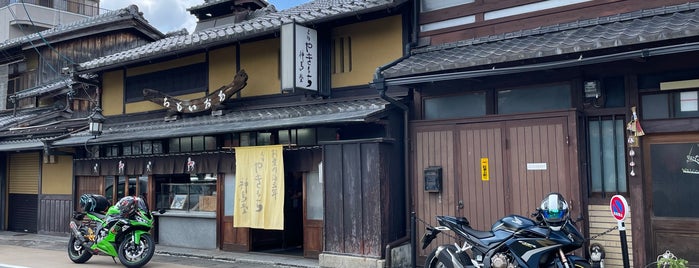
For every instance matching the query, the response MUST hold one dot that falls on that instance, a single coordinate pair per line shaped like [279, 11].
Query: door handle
[460, 205]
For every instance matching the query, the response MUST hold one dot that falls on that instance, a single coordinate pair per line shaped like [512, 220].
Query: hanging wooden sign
[211, 101]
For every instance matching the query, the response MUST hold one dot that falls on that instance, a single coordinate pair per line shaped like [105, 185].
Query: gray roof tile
[238, 121]
[311, 12]
[633, 28]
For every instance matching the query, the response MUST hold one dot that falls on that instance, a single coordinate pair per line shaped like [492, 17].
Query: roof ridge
[621, 17]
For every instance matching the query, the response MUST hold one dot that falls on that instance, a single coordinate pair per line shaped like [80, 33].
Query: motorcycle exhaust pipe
[76, 232]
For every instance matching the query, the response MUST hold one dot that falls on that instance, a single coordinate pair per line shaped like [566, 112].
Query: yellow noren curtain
[259, 189]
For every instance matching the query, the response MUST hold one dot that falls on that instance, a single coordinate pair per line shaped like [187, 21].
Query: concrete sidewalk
[60, 243]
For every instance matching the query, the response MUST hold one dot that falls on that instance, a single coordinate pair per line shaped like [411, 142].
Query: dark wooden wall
[362, 197]
[83, 49]
[54, 213]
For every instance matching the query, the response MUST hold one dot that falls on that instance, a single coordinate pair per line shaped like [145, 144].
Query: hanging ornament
[635, 126]
[635, 131]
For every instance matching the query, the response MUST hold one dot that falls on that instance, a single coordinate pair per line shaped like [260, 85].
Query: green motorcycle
[122, 231]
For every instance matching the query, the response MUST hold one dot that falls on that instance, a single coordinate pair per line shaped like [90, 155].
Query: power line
[42, 37]
[14, 16]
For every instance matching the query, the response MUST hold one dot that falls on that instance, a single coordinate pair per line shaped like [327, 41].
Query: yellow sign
[485, 173]
[259, 187]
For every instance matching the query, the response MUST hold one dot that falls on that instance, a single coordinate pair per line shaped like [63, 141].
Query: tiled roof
[128, 13]
[8, 118]
[46, 88]
[645, 26]
[27, 144]
[311, 12]
[237, 121]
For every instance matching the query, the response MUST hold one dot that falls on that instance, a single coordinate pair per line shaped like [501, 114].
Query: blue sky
[172, 15]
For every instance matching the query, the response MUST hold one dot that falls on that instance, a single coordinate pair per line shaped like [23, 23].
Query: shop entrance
[673, 161]
[303, 211]
[290, 240]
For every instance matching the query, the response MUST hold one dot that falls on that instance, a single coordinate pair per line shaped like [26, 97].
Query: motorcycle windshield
[142, 205]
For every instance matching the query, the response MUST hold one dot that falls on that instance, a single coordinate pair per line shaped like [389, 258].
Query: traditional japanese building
[44, 104]
[515, 99]
[185, 115]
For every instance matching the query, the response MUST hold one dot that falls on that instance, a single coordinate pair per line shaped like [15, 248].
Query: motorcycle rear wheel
[134, 256]
[77, 252]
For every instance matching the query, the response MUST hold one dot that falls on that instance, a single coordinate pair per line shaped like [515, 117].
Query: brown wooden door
[672, 165]
[232, 239]
[526, 159]
[312, 215]
[483, 195]
[539, 163]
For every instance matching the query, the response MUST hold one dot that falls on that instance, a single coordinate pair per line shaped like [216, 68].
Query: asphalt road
[21, 257]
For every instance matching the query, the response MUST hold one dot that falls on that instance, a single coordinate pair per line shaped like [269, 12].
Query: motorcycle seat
[478, 234]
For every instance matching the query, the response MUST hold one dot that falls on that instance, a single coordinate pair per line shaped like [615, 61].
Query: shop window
[534, 99]
[467, 105]
[188, 197]
[606, 147]
[133, 186]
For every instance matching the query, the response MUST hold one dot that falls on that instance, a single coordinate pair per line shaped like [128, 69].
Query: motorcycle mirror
[161, 211]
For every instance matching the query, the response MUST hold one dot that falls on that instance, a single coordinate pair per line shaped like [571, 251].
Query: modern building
[20, 18]
[515, 99]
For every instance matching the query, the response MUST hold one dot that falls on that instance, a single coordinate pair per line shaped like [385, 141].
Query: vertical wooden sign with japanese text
[299, 49]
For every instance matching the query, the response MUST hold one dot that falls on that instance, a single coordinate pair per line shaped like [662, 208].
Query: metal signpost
[620, 208]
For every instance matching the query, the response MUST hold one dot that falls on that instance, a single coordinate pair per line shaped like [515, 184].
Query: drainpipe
[380, 85]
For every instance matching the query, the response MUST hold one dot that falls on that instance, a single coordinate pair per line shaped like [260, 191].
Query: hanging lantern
[95, 120]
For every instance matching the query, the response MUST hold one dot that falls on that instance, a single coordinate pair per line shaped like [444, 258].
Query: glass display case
[188, 197]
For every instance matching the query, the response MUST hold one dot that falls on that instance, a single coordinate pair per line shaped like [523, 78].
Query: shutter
[24, 173]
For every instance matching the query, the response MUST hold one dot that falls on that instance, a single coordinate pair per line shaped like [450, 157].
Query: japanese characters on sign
[299, 58]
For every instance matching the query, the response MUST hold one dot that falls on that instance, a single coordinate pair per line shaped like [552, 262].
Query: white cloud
[165, 15]
[172, 15]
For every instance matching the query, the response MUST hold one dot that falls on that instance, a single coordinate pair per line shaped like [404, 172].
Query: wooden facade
[509, 144]
[363, 203]
[517, 145]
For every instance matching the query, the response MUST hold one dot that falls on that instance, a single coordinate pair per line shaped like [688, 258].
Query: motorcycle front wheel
[445, 260]
[134, 255]
[76, 251]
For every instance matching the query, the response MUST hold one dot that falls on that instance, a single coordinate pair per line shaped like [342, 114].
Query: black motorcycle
[513, 241]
